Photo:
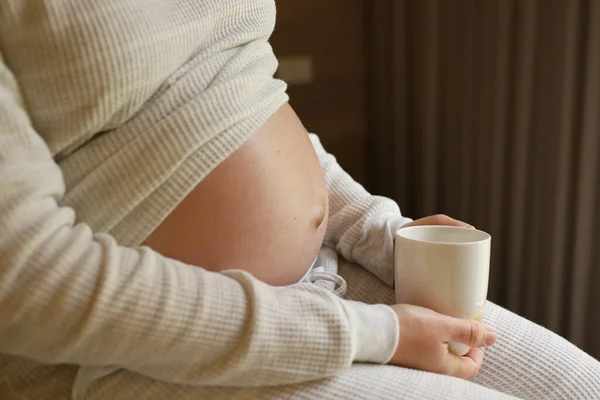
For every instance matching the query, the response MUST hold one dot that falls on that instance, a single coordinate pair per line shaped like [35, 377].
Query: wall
[331, 34]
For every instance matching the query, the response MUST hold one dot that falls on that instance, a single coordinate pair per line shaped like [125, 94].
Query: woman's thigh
[358, 383]
[532, 362]
[527, 361]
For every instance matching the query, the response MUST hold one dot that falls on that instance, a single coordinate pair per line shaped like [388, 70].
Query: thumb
[472, 333]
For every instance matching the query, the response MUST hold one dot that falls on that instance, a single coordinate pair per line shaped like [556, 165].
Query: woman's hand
[439, 219]
[424, 337]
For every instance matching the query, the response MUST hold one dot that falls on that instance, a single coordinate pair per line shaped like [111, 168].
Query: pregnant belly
[263, 210]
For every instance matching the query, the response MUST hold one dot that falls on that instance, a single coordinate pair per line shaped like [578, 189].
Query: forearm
[361, 226]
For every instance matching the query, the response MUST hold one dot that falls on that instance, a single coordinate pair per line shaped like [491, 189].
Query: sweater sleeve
[361, 226]
[69, 295]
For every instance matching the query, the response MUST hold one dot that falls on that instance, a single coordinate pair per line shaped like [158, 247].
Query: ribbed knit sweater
[111, 112]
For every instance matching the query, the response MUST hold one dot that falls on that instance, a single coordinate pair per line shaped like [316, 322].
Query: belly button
[320, 216]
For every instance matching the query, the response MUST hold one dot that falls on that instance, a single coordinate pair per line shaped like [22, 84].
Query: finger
[471, 333]
[468, 366]
[476, 355]
[440, 219]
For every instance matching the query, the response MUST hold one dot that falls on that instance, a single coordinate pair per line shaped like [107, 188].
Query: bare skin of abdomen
[264, 209]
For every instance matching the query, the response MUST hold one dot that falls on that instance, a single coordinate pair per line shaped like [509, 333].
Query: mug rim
[485, 236]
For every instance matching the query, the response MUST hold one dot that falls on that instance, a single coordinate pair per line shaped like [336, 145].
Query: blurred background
[488, 111]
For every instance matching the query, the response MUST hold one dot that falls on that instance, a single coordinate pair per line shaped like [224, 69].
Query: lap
[360, 382]
[527, 361]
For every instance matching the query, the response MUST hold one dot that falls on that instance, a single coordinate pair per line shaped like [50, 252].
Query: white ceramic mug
[445, 269]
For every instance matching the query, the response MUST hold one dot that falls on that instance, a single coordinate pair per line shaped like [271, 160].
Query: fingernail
[490, 336]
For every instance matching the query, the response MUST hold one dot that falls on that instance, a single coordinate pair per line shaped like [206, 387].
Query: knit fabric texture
[110, 113]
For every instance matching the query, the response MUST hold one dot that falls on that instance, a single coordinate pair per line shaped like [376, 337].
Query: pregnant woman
[161, 205]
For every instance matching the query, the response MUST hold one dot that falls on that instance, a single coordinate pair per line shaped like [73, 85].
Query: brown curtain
[489, 111]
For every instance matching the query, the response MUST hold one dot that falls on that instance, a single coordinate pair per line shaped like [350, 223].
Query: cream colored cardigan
[110, 113]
